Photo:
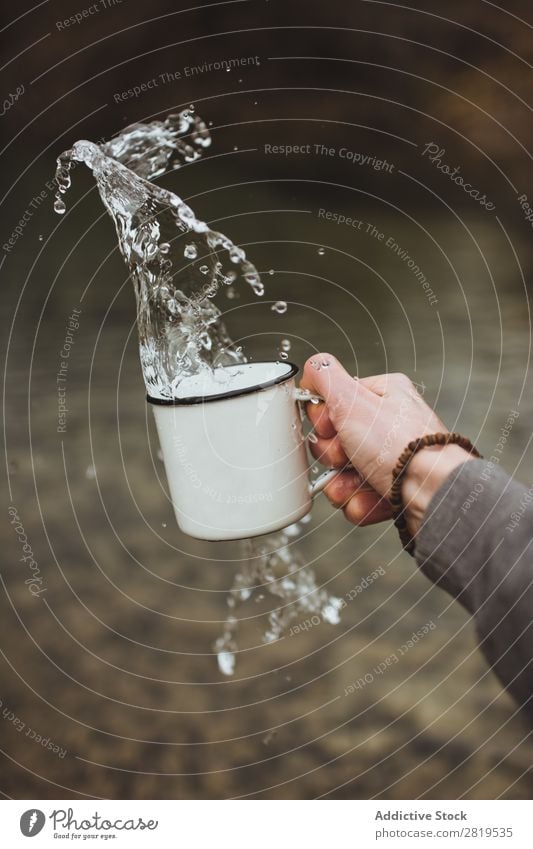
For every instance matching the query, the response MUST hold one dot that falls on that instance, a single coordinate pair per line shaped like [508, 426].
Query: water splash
[152, 149]
[274, 566]
[178, 265]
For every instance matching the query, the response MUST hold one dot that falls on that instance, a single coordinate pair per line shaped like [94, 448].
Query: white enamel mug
[234, 451]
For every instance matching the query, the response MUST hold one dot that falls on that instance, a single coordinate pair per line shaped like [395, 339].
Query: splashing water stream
[178, 265]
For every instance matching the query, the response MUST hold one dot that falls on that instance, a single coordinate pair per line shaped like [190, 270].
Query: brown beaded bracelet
[395, 497]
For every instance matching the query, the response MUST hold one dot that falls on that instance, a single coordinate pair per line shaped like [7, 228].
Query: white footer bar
[267, 824]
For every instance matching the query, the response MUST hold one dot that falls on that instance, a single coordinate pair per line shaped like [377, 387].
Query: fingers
[361, 505]
[319, 418]
[387, 384]
[367, 508]
[329, 452]
[324, 375]
[377, 383]
[342, 487]
[345, 397]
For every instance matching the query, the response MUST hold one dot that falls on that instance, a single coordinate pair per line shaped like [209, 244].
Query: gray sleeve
[475, 543]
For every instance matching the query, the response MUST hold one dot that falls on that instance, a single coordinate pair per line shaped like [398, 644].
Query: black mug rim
[189, 401]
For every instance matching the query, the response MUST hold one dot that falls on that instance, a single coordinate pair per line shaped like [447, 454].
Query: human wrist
[426, 472]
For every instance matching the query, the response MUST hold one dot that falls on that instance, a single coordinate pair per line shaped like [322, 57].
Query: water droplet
[269, 737]
[41, 237]
[186, 214]
[280, 307]
[325, 363]
[271, 272]
[312, 437]
[163, 524]
[283, 355]
[226, 659]
[59, 206]
[173, 306]
[190, 252]
[164, 248]
[285, 345]
[235, 147]
[314, 469]
[321, 251]
[90, 473]
[231, 293]
[305, 519]
[315, 400]
[204, 269]
[236, 254]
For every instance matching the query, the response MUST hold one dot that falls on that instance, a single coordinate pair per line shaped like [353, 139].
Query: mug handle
[319, 484]
[303, 396]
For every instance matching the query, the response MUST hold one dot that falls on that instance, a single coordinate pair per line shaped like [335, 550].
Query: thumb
[325, 376]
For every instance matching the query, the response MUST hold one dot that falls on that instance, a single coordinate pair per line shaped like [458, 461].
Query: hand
[367, 422]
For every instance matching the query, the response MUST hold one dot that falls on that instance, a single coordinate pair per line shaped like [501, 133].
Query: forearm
[426, 473]
[469, 545]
